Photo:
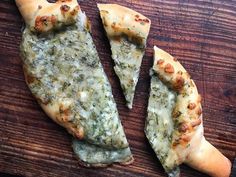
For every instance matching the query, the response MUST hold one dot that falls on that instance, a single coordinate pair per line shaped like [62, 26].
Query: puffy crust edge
[119, 20]
[42, 16]
[208, 159]
[187, 111]
[200, 155]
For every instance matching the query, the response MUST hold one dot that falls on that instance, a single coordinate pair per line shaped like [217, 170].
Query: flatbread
[64, 73]
[127, 31]
[174, 125]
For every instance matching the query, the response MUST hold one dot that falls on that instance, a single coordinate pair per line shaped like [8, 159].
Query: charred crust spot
[75, 10]
[185, 138]
[183, 127]
[65, 8]
[179, 82]
[161, 77]
[175, 59]
[29, 78]
[169, 68]
[175, 143]
[196, 123]
[191, 106]
[79, 133]
[113, 25]
[41, 22]
[180, 72]
[64, 118]
[160, 62]
[145, 20]
[181, 141]
[64, 113]
[176, 113]
[140, 20]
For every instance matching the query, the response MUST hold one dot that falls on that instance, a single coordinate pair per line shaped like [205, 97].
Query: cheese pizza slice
[174, 125]
[127, 31]
[64, 73]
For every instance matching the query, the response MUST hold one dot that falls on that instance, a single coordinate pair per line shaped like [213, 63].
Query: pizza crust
[188, 142]
[127, 31]
[119, 20]
[42, 16]
[188, 102]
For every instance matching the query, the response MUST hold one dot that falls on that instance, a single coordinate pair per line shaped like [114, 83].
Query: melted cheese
[159, 124]
[127, 57]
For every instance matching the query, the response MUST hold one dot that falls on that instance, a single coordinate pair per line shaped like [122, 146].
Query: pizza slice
[174, 125]
[64, 73]
[127, 31]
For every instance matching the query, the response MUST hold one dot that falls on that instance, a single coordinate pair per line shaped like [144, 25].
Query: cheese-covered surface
[64, 73]
[91, 155]
[128, 58]
[159, 125]
[181, 134]
[127, 31]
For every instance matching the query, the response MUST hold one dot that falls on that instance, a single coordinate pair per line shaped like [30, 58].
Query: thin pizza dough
[64, 73]
[127, 31]
[174, 125]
